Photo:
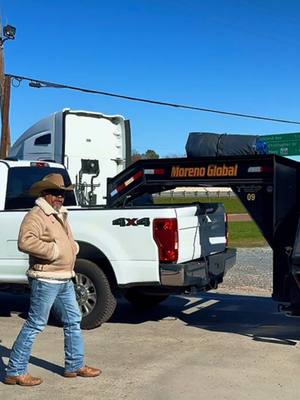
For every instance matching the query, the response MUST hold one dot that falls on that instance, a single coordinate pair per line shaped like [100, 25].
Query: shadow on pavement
[5, 352]
[253, 316]
[19, 304]
[13, 303]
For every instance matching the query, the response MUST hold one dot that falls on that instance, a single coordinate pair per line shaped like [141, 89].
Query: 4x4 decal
[131, 221]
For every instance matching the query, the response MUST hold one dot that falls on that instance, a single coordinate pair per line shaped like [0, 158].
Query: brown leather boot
[85, 372]
[22, 380]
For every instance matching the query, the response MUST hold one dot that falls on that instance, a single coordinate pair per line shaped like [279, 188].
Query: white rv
[91, 145]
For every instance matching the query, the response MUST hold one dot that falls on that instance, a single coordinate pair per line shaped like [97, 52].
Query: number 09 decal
[251, 196]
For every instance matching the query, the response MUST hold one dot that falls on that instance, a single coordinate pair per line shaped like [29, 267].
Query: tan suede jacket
[48, 240]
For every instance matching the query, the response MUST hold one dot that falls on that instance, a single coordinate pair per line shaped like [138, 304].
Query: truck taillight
[165, 233]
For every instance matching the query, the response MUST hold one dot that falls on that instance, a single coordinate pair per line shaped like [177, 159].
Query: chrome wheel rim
[86, 294]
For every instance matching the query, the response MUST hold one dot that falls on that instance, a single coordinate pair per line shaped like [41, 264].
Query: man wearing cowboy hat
[46, 236]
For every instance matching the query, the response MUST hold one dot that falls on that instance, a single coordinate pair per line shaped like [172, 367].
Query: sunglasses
[56, 192]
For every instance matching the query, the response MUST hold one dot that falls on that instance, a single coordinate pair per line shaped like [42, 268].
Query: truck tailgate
[201, 230]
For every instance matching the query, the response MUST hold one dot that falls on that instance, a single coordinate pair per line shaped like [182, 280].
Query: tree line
[151, 154]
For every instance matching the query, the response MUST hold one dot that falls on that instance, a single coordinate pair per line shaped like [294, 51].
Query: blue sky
[234, 55]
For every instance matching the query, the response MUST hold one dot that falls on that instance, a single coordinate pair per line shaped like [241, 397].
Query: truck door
[39, 147]
[13, 263]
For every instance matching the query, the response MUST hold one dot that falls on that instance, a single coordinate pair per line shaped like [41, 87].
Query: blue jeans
[44, 295]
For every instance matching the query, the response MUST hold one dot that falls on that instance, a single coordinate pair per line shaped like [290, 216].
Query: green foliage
[149, 154]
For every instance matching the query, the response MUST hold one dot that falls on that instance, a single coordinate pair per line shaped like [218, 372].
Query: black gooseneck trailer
[267, 185]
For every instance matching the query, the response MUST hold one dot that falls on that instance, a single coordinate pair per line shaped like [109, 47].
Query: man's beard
[57, 208]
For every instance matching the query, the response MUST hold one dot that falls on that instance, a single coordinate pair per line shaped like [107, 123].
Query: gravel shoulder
[252, 274]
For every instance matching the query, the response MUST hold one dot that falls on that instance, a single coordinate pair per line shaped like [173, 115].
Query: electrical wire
[36, 83]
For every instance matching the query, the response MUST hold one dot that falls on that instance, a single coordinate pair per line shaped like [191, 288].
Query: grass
[241, 234]
[245, 234]
[232, 204]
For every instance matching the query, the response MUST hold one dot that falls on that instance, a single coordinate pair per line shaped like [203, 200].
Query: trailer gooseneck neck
[267, 185]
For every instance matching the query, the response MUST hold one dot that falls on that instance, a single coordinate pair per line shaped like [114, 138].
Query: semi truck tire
[94, 295]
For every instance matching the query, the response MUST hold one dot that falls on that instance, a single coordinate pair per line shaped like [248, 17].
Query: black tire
[94, 295]
[143, 300]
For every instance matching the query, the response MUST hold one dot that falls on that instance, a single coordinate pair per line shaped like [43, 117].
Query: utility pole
[5, 106]
[9, 32]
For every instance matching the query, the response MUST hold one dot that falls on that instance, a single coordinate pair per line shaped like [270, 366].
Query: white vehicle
[91, 145]
[142, 252]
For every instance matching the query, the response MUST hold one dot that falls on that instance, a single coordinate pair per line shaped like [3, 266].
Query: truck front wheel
[93, 293]
[144, 300]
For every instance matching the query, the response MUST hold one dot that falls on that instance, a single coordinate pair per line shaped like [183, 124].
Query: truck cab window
[21, 179]
[43, 140]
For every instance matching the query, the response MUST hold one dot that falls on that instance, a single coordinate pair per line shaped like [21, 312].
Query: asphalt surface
[228, 344]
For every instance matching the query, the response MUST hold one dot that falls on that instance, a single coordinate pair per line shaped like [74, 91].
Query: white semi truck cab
[91, 145]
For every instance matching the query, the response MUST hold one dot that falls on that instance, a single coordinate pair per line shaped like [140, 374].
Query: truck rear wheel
[94, 295]
[144, 300]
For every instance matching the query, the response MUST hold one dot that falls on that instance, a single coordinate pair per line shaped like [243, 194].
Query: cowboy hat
[51, 181]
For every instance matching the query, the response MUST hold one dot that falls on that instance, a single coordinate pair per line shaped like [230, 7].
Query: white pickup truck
[142, 252]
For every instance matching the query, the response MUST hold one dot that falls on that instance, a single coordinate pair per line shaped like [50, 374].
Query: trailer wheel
[143, 300]
[93, 293]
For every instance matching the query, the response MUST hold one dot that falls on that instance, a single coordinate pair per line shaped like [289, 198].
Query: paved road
[217, 346]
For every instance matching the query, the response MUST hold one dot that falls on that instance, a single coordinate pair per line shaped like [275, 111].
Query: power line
[36, 83]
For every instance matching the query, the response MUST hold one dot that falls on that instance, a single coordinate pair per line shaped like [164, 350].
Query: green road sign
[283, 144]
